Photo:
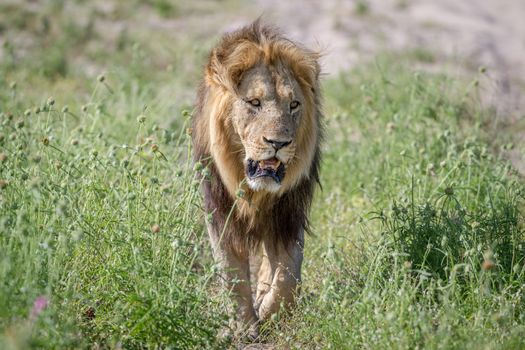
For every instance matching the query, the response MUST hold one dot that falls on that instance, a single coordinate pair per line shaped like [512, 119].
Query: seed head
[36, 110]
[101, 78]
[27, 113]
[155, 228]
[206, 172]
[3, 184]
[198, 166]
[240, 193]
[449, 191]
[84, 108]
[74, 142]
[141, 119]
[13, 85]
[65, 109]
[50, 101]
[94, 153]
[20, 124]
[89, 314]
[3, 157]
[45, 141]
[487, 265]
[154, 148]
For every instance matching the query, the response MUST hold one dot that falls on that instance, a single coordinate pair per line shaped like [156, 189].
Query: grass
[427, 246]
[418, 243]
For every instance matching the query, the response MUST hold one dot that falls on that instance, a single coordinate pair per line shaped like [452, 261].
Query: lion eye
[294, 105]
[255, 102]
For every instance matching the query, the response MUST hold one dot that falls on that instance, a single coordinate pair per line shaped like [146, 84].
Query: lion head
[258, 121]
[259, 107]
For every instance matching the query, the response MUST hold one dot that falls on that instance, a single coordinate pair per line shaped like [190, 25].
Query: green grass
[418, 243]
[420, 230]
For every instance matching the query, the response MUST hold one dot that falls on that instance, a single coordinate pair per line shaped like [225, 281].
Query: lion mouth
[272, 167]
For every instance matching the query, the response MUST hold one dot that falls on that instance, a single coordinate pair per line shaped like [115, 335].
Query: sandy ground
[467, 33]
[460, 35]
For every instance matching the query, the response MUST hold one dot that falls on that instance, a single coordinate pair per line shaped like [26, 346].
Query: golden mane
[217, 146]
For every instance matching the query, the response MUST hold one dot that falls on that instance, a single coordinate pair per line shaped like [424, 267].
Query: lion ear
[226, 67]
[216, 73]
[222, 74]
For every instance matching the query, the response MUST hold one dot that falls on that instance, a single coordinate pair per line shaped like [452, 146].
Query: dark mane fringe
[282, 220]
[284, 217]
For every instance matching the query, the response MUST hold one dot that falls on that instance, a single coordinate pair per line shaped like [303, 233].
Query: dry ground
[456, 37]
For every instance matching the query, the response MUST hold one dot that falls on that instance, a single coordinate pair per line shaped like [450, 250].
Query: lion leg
[263, 277]
[279, 276]
[234, 272]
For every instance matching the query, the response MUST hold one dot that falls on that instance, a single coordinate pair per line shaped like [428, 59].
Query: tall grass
[418, 240]
[109, 233]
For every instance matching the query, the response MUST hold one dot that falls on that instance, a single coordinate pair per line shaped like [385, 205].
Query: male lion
[257, 127]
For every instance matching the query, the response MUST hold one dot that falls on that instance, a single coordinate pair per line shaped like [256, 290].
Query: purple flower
[39, 305]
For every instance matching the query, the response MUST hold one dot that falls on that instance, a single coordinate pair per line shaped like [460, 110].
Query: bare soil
[452, 36]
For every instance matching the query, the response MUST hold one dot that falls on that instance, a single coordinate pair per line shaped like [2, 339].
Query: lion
[257, 127]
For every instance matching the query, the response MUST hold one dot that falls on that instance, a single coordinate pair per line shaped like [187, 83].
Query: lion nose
[277, 144]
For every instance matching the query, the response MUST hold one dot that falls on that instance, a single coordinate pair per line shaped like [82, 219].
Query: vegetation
[419, 239]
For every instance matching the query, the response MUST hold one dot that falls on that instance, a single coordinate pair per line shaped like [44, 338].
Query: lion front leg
[279, 276]
[234, 271]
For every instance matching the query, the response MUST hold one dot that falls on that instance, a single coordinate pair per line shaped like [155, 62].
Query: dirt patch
[457, 37]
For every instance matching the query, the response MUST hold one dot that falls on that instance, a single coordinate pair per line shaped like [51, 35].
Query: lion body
[246, 213]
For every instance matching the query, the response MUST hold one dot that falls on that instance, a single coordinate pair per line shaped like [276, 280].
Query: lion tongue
[270, 164]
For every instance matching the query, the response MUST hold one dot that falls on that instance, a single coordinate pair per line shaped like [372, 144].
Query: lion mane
[250, 214]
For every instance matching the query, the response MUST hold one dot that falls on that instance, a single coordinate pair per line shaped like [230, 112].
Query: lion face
[258, 116]
[266, 115]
